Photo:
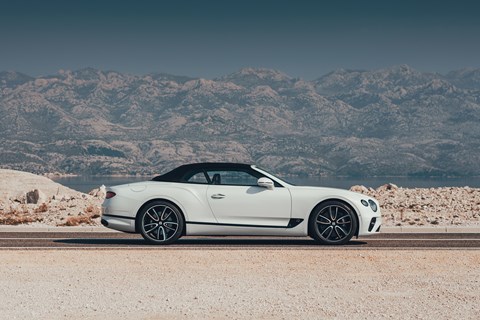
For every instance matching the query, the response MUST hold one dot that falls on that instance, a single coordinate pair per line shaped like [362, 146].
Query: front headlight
[373, 205]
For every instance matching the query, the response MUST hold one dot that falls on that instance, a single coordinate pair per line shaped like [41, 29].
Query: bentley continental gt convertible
[236, 199]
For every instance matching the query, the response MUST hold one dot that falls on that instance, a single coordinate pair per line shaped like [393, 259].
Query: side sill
[291, 224]
[115, 216]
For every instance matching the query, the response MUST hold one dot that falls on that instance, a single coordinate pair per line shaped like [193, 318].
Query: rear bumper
[120, 223]
[116, 216]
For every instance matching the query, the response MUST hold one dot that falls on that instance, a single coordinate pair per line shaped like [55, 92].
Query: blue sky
[210, 38]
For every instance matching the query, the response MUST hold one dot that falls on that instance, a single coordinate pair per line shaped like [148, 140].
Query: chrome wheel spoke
[166, 225]
[326, 220]
[151, 224]
[341, 229]
[152, 217]
[333, 212]
[163, 217]
[163, 233]
[336, 231]
[155, 225]
[329, 228]
[324, 223]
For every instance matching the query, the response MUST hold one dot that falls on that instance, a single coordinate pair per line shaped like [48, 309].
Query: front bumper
[370, 223]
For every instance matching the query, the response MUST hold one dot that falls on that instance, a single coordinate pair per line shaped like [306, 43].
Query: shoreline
[281, 177]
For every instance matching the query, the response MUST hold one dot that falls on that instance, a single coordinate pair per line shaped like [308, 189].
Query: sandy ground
[240, 284]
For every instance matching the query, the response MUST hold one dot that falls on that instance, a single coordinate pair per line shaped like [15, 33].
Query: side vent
[293, 223]
[372, 224]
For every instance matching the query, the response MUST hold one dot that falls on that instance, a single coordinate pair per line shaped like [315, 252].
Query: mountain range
[395, 121]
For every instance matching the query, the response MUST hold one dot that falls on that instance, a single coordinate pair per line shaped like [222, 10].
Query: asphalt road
[113, 240]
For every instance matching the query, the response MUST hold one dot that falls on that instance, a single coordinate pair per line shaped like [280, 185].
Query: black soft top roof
[178, 173]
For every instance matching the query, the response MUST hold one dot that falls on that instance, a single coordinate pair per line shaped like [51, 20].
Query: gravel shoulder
[240, 284]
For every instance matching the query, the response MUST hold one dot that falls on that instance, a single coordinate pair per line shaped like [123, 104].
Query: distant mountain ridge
[395, 121]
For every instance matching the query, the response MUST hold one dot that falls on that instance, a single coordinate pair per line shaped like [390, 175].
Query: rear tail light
[110, 194]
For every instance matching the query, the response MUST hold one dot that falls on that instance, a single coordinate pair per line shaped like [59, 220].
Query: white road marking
[237, 248]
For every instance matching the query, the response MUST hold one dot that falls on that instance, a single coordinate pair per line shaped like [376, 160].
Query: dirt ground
[240, 284]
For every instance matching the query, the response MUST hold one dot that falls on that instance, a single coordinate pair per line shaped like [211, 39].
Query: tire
[160, 222]
[333, 223]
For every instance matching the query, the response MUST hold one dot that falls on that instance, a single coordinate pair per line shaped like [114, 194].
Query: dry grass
[42, 208]
[78, 220]
[91, 212]
[15, 217]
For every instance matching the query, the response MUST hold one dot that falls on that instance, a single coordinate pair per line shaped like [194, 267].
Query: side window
[198, 177]
[237, 178]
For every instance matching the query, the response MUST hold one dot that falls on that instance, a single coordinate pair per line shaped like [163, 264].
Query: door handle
[218, 196]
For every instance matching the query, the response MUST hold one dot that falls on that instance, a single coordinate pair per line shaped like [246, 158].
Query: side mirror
[265, 183]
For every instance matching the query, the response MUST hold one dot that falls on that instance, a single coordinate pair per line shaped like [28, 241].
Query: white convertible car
[236, 199]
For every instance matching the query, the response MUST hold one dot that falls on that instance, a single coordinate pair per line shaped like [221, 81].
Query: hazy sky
[210, 38]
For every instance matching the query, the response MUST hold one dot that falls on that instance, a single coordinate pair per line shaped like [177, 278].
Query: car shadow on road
[204, 242]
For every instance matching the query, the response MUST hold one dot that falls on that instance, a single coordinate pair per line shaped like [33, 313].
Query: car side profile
[236, 199]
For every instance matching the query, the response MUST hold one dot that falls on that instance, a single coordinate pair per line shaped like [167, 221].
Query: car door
[235, 198]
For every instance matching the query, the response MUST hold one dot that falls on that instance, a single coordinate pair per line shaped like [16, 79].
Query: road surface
[113, 240]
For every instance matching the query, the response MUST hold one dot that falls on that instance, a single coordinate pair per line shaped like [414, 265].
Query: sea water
[87, 183]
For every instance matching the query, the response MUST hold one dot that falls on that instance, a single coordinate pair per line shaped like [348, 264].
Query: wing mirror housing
[265, 182]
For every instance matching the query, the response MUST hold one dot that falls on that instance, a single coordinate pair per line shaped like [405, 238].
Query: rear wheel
[333, 222]
[160, 222]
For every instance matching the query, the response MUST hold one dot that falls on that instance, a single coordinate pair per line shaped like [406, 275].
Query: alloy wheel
[160, 223]
[334, 223]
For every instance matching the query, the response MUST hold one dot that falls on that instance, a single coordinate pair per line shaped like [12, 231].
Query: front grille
[372, 224]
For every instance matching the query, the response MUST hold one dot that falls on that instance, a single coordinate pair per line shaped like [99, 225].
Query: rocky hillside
[395, 121]
[446, 206]
[27, 198]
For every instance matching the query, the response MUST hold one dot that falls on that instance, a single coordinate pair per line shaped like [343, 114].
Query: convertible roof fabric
[178, 173]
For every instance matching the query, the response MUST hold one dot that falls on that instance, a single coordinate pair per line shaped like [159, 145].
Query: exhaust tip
[104, 222]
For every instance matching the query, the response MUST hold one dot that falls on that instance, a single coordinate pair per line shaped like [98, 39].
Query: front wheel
[333, 222]
[160, 222]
